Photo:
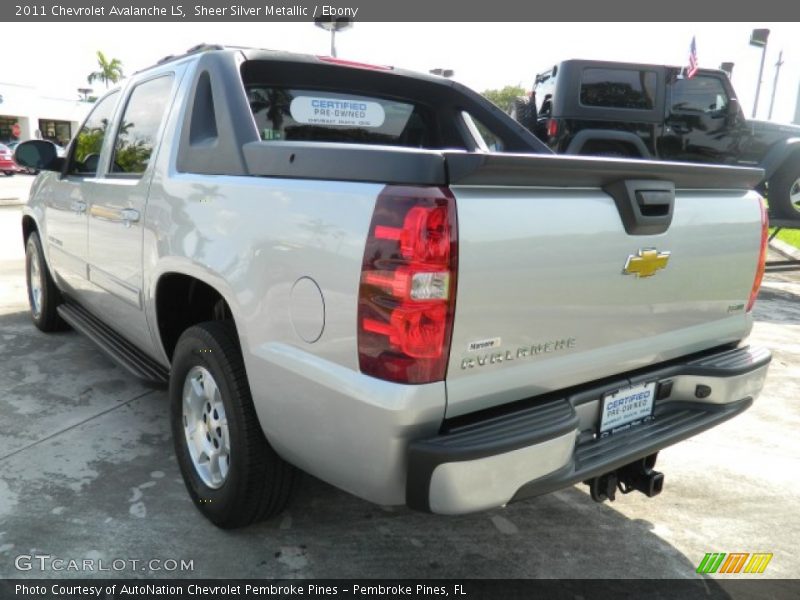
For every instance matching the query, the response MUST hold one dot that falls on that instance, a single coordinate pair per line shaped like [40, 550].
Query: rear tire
[784, 190]
[233, 475]
[43, 295]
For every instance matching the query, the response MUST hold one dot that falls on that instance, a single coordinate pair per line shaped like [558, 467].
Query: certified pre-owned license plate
[627, 407]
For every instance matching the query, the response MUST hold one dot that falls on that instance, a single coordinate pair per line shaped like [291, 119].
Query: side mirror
[39, 155]
[733, 109]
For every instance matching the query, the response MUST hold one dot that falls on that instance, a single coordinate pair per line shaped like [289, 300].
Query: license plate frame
[635, 405]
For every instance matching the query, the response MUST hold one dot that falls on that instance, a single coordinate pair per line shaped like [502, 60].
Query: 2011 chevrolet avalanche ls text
[379, 278]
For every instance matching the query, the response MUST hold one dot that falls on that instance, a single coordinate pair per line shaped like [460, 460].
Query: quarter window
[618, 88]
[139, 126]
[698, 95]
[89, 141]
[485, 137]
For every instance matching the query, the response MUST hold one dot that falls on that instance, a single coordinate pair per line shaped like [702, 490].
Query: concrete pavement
[15, 189]
[88, 471]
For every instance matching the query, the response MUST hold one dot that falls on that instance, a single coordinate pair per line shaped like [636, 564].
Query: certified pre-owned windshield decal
[493, 358]
[342, 112]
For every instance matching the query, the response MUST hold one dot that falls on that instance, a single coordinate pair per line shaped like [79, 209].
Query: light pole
[759, 39]
[333, 25]
[446, 73]
[778, 66]
[727, 67]
[797, 109]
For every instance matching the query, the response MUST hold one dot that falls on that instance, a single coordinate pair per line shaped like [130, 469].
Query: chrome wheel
[206, 427]
[35, 275]
[794, 193]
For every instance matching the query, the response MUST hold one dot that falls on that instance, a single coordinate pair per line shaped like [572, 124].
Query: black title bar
[399, 10]
[431, 589]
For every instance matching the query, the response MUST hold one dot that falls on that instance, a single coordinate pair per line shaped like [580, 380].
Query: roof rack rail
[193, 50]
[204, 48]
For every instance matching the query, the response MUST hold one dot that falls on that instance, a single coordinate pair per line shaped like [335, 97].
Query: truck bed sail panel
[543, 170]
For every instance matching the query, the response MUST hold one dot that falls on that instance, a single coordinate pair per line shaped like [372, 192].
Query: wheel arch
[29, 225]
[181, 300]
[607, 135]
[779, 154]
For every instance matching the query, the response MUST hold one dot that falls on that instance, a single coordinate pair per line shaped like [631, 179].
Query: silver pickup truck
[377, 277]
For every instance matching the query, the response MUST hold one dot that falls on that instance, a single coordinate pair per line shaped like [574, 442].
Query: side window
[89, 141]
[618, 88]
[138, 128]
[698, 95]
[485, 138]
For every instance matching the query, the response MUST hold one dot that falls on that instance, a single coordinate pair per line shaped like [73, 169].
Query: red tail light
[552, 127]
[408, 285]
[762, 256]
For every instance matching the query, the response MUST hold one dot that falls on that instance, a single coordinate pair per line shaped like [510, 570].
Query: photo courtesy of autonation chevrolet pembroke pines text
[379, 299]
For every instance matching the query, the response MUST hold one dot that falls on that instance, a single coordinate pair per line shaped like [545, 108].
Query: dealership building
[26, 114]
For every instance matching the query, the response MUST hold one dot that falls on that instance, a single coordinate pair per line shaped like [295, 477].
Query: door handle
[645, 206]
[78, 206]
[129, 215]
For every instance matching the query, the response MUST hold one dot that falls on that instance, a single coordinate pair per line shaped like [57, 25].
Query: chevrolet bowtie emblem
[646, 262]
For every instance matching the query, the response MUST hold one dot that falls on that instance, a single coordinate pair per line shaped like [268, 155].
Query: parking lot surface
[14, 189]
[88, 471]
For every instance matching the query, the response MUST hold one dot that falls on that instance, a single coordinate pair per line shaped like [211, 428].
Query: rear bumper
[551, 443]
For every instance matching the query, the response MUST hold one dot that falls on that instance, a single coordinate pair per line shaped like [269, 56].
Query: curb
[787, 250]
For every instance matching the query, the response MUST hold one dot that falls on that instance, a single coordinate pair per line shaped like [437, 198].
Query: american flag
[692, 70]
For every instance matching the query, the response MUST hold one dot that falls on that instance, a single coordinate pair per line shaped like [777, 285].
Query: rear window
[618, 88]
[294, 114]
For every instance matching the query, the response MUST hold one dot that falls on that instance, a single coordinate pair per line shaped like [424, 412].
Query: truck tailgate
[543, 299]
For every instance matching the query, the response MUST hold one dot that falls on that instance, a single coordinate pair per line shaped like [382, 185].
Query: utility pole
[797, 109]
[778, 66]
[759, 39]
[333, 25]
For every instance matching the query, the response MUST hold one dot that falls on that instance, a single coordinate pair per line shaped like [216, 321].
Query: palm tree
[110, 70]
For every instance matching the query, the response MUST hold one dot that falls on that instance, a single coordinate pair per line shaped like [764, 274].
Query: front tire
[784, 190]
[233, 475]
[43, 295]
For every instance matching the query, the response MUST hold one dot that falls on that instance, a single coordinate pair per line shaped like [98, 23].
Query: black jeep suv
[654, 111]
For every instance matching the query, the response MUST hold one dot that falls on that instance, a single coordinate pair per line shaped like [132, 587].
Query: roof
[612, 64]
[251, 53]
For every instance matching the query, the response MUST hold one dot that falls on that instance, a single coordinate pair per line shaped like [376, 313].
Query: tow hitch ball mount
[638, 475]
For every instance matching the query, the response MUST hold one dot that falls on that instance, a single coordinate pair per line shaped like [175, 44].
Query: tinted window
[618, 88]
[322, 116]
[136, 138]
[698, 94]
[89, 141]
[491, 142]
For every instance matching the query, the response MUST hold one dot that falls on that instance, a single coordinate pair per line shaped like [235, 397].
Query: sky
[483, 55]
